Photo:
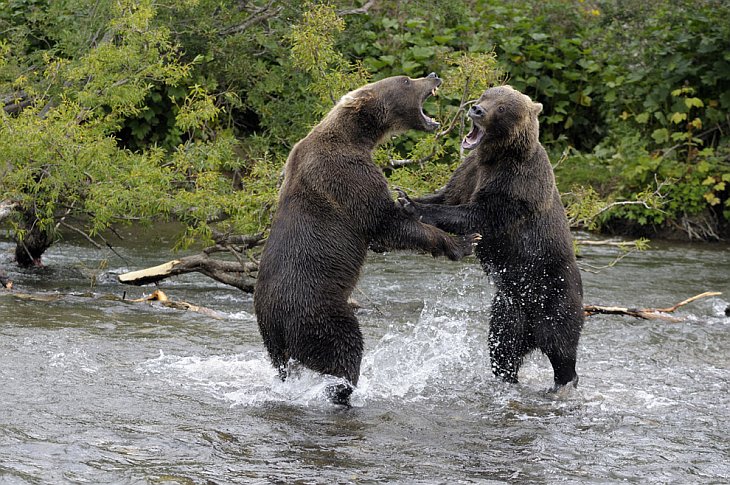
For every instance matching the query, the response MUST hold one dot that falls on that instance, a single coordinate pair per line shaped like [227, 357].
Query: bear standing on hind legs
[505, 190]
[334, 203]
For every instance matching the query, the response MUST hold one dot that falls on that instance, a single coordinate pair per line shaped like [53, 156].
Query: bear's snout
[476, 111]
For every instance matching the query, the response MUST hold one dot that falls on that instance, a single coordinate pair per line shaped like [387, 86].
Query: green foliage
[64, 159]
[313, 51]
[547, 51]
[421, 180]
[137, 109]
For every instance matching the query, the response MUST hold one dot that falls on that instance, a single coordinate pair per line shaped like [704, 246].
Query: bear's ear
[356, 99]
[536, 109]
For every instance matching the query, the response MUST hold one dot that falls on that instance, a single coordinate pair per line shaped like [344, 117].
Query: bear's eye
[406, 81]
[501, 109]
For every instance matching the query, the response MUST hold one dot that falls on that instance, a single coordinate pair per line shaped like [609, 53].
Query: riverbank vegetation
[136, 111]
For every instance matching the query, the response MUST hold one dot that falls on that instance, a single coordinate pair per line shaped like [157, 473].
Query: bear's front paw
[469, 242]
[464, 246]
[406, 204]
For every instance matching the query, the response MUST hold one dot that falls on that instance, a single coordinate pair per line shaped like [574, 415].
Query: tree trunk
[28, 251]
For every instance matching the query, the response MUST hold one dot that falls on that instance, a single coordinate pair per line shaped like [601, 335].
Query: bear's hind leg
[334, 347]
[561, 347]
[276, 347]
[557, 338]
[505, 340]
[563, 369]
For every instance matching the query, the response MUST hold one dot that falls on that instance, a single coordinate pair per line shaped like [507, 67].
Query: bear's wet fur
[333, 205]
[505, 190]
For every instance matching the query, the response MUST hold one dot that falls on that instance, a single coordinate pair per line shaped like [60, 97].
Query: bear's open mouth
[473, 138]
[429, 123]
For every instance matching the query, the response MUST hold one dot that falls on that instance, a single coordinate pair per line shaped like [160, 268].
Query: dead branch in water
[156, 297]
[626, 248]
[227, 272]
[238, 273]
[609, 242]
[646, 313]
[162, 298]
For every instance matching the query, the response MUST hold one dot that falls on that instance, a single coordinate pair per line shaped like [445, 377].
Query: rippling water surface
[97, 390]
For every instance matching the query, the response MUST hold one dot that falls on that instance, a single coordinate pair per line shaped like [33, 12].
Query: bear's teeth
[434, 91]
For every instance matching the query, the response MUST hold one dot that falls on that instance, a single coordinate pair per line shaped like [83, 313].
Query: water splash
[409, 365]
[414, 364]
[243, 380]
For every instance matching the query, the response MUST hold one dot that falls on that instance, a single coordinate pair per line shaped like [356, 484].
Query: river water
[97, 390]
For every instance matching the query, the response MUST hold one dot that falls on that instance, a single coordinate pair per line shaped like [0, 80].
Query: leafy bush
[195, 105]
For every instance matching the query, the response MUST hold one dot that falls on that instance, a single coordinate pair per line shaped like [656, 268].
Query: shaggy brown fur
[505, 190]
[335, 203]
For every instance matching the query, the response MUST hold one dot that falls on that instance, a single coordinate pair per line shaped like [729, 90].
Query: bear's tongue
[472, 139]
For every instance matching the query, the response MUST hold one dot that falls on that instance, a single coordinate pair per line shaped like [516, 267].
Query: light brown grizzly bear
[334, 203]
[505, 190]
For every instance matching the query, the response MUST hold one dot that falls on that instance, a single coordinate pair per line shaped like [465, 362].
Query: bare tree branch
[246, 241]
[16, 108]
[258, 15]
[160, 297]
[12, 98]
[230, 273]
[646, 313]
[79, 231]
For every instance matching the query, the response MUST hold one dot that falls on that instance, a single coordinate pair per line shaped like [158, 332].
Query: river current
[98, 390]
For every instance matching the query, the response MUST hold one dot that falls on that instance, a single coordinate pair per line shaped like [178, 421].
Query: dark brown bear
[334, 203]
[505, 190]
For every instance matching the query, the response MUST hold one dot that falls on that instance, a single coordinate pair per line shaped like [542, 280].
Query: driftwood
[156, 296]
[239, 273]
[617, 244]
[646, 313]
[230, 273]
[161, 297]
[42, 297]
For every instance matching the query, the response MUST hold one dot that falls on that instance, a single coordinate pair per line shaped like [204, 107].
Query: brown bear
[505, 190]
[334, 203]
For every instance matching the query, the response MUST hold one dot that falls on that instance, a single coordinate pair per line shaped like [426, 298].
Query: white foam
[718, 309]
[409, 363]
[406, 363]
[74, 359]
[242, 315]
[243, 380]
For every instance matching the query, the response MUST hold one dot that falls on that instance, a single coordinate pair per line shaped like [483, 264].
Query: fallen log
[646, 313]
[233, 273]
[157, 296]
[239, 273]
[160, 297]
